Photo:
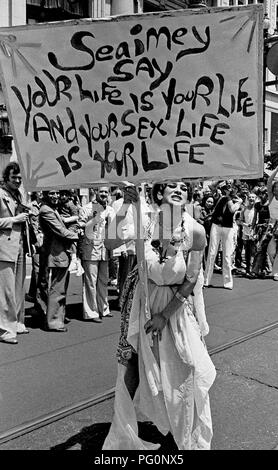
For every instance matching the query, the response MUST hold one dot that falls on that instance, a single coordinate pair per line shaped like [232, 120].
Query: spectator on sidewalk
[94, 257]
[238, 253]
[222, 229]
[34, 221]
[115, 255]
[75, 198]
[127, 251]
[69, 212]
[261, 264]
[13, 222]
[246, 221]
[205, 215]
[54, 263]
[196, 202]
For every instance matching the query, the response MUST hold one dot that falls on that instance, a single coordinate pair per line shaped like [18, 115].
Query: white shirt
[248, 215]
[128, 247]
[95, 216]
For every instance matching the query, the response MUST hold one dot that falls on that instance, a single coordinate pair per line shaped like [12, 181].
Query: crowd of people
[188, 232]
[62, 235]
[241, 224]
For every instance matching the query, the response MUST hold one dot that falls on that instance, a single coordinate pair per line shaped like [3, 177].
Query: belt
[164, 285]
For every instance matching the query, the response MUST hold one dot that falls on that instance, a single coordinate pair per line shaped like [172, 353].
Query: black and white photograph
[138, 229]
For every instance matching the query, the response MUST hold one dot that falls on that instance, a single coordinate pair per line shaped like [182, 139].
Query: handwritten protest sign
[140, 98]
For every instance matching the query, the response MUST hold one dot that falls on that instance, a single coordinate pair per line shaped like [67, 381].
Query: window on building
[238, 2]
[55, 10]
[274, 132]
[150, 7]
[160, 5]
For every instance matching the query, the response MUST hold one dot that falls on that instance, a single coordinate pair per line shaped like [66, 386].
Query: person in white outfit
[164, 370]
[222, 229]
[94, 257]
[272, 190]
[127, 251]
[246, 220]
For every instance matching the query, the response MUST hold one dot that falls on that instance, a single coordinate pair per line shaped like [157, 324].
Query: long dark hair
[157, 192]
[206, 197]
[159, 188]
[11, 166]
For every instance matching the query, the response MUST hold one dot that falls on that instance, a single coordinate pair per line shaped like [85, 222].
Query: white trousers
[12, 293]
[95, 289]
[273, 255]
[226, 236]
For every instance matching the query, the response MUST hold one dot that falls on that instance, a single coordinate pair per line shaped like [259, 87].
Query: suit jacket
[10, 233]
[57, 240]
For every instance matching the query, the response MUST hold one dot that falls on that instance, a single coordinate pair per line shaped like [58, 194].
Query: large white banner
[148, 97]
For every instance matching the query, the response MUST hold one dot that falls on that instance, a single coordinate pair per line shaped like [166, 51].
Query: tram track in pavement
[64, 412]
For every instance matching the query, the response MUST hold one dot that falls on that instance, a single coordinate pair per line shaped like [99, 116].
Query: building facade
[18, 12]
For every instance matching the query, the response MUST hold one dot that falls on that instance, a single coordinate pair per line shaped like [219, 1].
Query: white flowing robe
[175, 374]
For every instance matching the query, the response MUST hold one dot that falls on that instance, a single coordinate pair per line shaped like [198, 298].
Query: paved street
[48, 371]
[194, 103]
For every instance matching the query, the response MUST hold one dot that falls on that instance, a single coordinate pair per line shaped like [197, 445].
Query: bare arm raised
[234, 205]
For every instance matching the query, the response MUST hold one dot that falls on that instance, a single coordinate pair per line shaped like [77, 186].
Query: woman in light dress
[164, 369]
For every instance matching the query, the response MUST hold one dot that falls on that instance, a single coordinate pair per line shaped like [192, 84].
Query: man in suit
[54, 263]
[13, 219]
[34, 221]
